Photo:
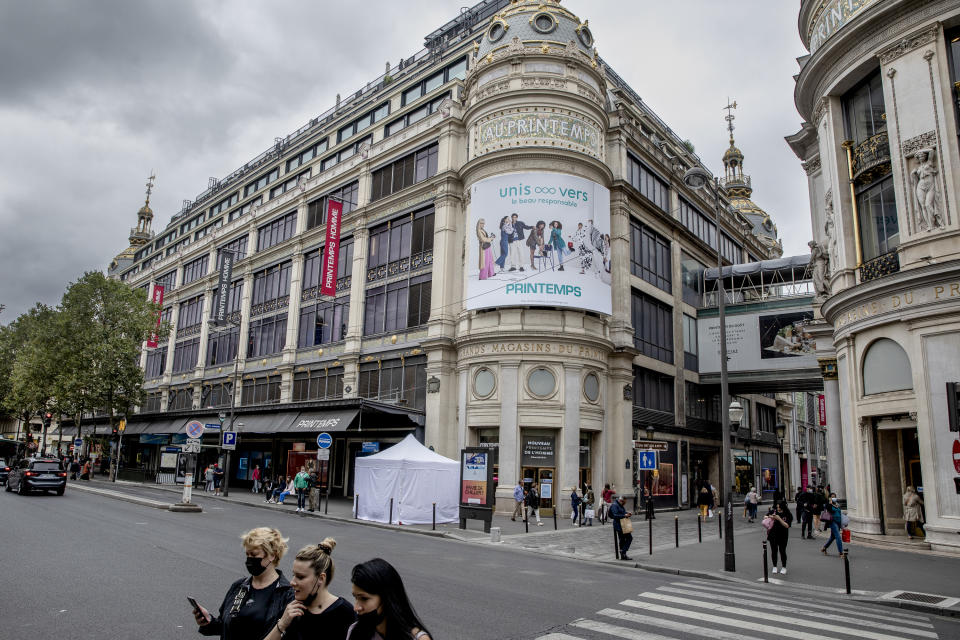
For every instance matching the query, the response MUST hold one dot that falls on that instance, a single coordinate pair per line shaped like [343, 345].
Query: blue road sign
[213, 425]
[78, 442]
[324, 440]
[229, 440]
[370, 447]
[646, 460]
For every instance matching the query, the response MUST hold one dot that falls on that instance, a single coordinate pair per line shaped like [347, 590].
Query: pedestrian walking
[574, 504]
[714, 499]
[314, 612]
[648, 511]
[704, 497]
[75, 469]
[208, 478]
[382, 605]
[590, 504]
[518, 498]
[753, 502]
[818, 502]
[833, 517]
[301, 482]
[313, 491]
[777, 523]
[622, 525]
[805, 514]
[607, 495]
[533, 502]
[217, 478]
[256, 478]
[912, 513]
[252, 604]
[86, 470]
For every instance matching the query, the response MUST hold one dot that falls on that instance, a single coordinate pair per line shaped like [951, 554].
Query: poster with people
[539, 239]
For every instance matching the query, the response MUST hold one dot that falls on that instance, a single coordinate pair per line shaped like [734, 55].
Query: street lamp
[781, 433]
[699, 178]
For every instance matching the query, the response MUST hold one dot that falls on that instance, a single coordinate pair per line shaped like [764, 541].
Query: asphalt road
[87, 566]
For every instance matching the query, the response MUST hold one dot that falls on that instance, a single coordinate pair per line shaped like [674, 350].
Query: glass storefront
[742, 471]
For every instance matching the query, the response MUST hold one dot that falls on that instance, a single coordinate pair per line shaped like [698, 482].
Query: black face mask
[255, 566]
[308, 601]
[370, 619]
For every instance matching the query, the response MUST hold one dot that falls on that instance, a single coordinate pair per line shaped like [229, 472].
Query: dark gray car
[37, 474]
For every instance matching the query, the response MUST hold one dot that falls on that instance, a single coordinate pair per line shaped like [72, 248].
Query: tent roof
[409, 449]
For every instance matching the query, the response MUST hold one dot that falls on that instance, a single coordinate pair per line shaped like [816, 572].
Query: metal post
[356, 505]
[434, 516]
[699, 528]
[526, 519]
[765, 567]
[616, 544]
[326, 505]
[846, 569]
[650, 535]
[720, 526]
[233, 403]
[390, 517]
[554, 518]
[676, 531]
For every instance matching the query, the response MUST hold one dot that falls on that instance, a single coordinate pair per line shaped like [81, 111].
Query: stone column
[446, 284]
[358, 281]
[204, 330]
[293, 309]
[570, 436]
[171, 341]
[509, 436]
[244, 336]
[835, 452]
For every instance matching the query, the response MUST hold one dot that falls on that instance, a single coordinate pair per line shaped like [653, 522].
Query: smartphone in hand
[197, 608]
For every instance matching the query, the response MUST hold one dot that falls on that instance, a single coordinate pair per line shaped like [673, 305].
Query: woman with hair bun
[252, 604]
[383, 610]
[314, 612]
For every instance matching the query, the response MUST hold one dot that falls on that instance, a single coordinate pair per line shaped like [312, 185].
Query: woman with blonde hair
[252, 604]
[486, 250]
[314, 612]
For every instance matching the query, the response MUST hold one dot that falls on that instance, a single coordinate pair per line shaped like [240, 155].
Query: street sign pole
[233, 403]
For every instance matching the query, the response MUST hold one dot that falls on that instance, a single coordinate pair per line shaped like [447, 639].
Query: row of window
[312, 264]
[398, 305]
[271, 283]
[652, 326]
[400, 239]
[261, 390]
[652, 390]
[324, 322]
[191, 313]
[289, 184]
[261, 182]
[238, 247]
[318, 384]
[277, 231]
[414, 116]
[456, 69]
[195, 269]
[648, 184]
[404, 172]
[402, 380]
[222, 346]
[317, 209]
[267, 336]
[307, 155]
[185, 355]
[225, 204]
[364, 122]
[650, 256]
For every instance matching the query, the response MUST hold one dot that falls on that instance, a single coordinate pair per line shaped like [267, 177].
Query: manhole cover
[919, 597]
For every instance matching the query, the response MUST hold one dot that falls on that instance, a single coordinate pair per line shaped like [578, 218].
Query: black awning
[264, 422]
[320, 421]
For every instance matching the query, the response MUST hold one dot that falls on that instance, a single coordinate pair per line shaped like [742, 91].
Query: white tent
[414, 477]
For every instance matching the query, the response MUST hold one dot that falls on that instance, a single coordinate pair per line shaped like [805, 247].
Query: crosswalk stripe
[674, 625]
[559, 636]
[781, 608]
[767, 617]
[749, 592]
[614, 630]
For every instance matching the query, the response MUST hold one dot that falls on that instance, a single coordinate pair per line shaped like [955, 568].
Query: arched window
[886, 367]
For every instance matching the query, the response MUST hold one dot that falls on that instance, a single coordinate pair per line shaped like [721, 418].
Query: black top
[251, 622]
[780, 532]
[330, 624]
[275, 599]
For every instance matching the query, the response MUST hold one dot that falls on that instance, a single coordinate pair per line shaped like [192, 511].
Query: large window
[307, 155]
[224, 204]
[698, 223]
[313, 260]
[317, 210]
[691, 272]
[730, 250]
[318, 384]
[408, 170]
[652, 327]
[289, 184]
[267, 336]
[403, 381]
[691, 350]
[277, 231]
[195, 270]
[702, 403]
[191, 313]
[652, 390]
[324, 322]
[245, 209]
[270, 284]
[180, 398]
[863, 110]
[222, 346]
[879, 228]
[648, 184]
[395, 241]
[262, 390]
[364, 122]
[238, 247]
[168, 281]
[261, 182]
[457, 69]
[216, 393]
[185, 355]
[397, 305]
[234, 297]
[650, 256]
[151, 402]
[156, 362]
[414, 116]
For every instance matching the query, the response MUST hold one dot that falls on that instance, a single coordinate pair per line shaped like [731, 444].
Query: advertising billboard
[539, 239]
[758, 341]
[473, 485]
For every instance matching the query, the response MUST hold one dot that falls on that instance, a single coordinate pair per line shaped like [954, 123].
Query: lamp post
[781, 432]
[699, 178]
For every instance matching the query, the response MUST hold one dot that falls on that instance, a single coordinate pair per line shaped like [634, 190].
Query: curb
[116, 495]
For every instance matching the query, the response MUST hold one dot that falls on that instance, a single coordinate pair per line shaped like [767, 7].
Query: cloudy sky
[96, 93]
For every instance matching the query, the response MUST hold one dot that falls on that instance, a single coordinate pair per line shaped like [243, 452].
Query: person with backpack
[533, 502]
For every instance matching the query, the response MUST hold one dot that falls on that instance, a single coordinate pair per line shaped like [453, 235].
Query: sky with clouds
[97, 93]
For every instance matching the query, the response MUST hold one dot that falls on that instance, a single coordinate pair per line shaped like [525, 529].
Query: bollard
[435, 521]
[846, 569]
[526, 521]
[699, 528]
[765, 567]
[676, 531]
[326, 505]
[582, 508]
[494, 534]
[720, 525]
[390, 517]
[650, 535]
[554, 519]
[616, 544]
[356, 506]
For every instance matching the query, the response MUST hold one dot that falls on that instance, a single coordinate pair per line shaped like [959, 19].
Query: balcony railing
[871, 158]
[885, 265]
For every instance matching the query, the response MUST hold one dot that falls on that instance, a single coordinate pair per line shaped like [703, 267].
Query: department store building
[519, 269]
[879, 93]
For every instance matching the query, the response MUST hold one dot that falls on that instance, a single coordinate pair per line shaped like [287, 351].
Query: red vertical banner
[331, 250]
[822, 409]
[156, 296]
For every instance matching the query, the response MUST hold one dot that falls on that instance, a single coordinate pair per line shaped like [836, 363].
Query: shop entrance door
[543, 476]
[898, 466]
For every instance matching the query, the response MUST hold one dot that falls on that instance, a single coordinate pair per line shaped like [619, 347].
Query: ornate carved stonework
[830, 229]
[925, 194]
[811, 166]
[819, 111]
[828, 368]
[922, 141]
[908, 44]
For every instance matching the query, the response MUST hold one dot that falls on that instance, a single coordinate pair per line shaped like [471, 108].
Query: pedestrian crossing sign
[646, 460]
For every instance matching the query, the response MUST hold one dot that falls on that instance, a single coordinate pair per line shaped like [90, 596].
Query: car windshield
[46, 466]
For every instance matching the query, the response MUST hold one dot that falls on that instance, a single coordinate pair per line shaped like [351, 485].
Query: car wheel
[20, 489]
[8, 488]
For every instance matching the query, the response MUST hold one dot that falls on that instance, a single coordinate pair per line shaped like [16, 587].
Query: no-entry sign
[956, 455]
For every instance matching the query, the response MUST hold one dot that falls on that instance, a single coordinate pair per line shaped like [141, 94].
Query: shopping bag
[844, 521]
[826, 516]
[626, 526]
[709, 513]
[589, 514]
[767, 523]
[845, 535]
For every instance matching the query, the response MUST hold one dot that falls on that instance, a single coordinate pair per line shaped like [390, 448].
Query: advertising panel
[758, 341]
[473, 486]
[219, 312]
[538, 451]
[331, 249]
[539, 239]
[822, 409]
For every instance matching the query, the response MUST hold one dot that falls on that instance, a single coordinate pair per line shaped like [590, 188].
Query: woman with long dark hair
[383, 610]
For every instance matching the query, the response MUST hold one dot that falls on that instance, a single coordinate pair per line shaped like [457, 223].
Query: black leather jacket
[281, 597]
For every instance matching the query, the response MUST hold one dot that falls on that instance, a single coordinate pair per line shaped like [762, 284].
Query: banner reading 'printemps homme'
[539, 239]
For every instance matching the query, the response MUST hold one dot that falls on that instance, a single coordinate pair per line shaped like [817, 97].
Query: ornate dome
[732, 154]
[534, 23]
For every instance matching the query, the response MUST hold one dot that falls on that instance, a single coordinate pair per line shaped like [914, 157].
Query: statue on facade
[927, 199]
[820, 262]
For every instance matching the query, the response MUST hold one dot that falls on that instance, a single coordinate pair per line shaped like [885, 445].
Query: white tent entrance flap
[414, 477]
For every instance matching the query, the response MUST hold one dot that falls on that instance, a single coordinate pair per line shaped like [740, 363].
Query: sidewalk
[877, 573]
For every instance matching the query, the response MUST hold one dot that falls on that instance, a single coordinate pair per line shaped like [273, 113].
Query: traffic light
[47, 417]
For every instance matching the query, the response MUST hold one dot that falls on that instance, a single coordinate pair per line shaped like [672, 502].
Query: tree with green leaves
[30, 344]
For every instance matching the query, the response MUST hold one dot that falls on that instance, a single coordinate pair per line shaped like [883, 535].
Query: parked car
[37, 474]
[4, 470]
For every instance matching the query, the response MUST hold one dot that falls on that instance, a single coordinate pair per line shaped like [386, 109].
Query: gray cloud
[96, 94]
